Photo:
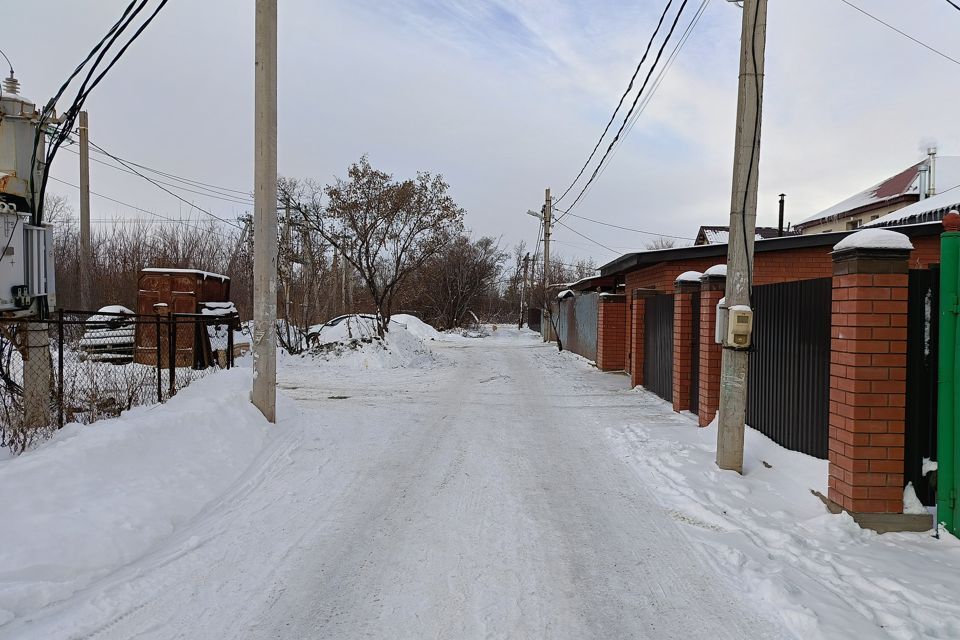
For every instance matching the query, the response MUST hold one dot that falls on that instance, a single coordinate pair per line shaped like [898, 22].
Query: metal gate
[788, 385]
[923, 333]
[658, 345]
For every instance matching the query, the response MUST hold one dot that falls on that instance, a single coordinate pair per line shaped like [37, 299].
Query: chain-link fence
[86, 366]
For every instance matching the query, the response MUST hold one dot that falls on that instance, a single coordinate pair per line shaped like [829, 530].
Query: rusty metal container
[174, 291]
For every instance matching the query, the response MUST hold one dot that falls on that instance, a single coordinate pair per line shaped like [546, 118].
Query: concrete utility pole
[84, 212]
[523, 287]
[547, 224]
[743, 218]
[264, 394]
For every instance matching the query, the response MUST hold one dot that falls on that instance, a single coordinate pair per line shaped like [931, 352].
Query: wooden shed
[166, 291]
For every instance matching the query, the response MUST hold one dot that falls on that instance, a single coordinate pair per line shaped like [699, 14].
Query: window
[854, 224]
[876, 217]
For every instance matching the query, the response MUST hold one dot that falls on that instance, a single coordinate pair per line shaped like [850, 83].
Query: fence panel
[92, 369]
[923, 338]
[577, 324]
[788, 386]
[658, 345]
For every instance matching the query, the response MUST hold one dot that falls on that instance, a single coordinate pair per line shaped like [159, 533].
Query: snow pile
[689, 276]
[822, 574]
[352, 342]
[874, 239]
[96, 498]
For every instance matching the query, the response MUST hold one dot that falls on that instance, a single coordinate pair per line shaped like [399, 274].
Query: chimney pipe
[932, 184]
[780, 226]
[923, 172]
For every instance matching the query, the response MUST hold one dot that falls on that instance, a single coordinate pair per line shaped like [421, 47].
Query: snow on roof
[566, 293]
[907, 182]
[716, 270]
[205, 274]
[874, 239]
[689, 276]
[926, 210]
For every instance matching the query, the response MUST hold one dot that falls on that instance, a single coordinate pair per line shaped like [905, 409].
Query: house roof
[715, 234]
[631, 261]
[929, 209]
[902, 186]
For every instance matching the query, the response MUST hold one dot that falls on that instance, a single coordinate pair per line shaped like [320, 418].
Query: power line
[954, 5]
[905, 35]
[164, 189]
[141, 210]
[620, 103]
[616, 226]
[587, 238]
[633, 106]
[207, 194]
[661, 75]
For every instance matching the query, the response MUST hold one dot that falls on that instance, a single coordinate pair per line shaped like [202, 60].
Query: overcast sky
[506, 98]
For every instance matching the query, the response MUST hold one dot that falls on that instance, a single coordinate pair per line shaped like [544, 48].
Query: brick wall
[868, 382]
[636, 341]
[611, 333]
[711, 290]
[683, 336]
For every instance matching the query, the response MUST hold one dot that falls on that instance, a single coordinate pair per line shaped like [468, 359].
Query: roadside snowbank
[822, 574]
[98, 497]
[353, 343]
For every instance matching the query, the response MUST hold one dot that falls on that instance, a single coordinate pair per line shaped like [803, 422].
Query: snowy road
[479, 498]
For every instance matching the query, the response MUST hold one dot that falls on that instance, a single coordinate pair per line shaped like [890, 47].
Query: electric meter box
[739, 327]
[13, 274]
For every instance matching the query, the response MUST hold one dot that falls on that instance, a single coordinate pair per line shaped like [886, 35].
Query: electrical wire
[633, 106]
[616, 226]
[141, 210]
[954, 4]
[623, 97]
[905, 35]
[165, 190]
[208, 194]
[599, 244]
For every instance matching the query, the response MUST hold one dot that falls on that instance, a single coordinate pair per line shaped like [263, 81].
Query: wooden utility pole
[84, 213]
[264, 394]
[523, 287]
[743, 219]
[288, 268]
[547, 227]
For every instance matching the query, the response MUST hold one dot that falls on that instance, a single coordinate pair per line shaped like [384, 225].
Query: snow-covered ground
[454, 488]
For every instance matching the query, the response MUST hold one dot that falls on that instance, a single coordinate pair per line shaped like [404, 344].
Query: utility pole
[84, 212]
[523, 287]
[743, 218]
[264, 394]
[288, 268]
[547, 224]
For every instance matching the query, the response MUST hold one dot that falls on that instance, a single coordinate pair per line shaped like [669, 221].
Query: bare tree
[386, 229]
[661, 242]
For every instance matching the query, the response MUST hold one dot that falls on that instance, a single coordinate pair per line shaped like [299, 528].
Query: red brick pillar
[868, 378]
[611, 332]
[712, 288]
[684, 333]
[636, 339]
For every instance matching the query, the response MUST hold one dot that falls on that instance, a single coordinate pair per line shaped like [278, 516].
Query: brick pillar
[868, 379]
[684, 330]
[711, 291]
[611, 332]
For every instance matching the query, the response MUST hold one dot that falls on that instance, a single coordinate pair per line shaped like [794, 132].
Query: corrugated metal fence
[658, 346]
[788, 396]
[577, 324]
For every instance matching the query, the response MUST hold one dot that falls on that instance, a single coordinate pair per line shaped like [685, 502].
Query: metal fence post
[230, 326]
[172, 353]
[60, 368]
[159, 360]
